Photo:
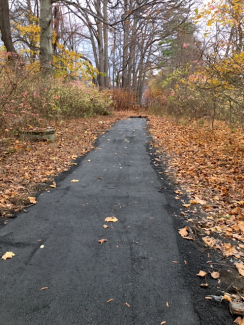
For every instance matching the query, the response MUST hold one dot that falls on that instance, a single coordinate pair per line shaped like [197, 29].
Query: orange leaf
[215, 275]
[127, 304]
[183, 232]
[201, 274]
[105, 226]
[32, 199]
[110, 300]
[101, 241]
[186, 205]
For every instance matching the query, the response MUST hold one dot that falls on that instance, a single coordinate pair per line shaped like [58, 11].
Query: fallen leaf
[105, 226]
[201, 274]
[204, 285]
[186, 205]
[227, 297]
[8, 255]
[183, 232]
[208, 298]
[75, 181]
[127, 304]
[44, 288]
[240, 268]
[215, 275]
[111, 219]
[167, 304]
[199, 201]
[164, 322]
[209, 241]
[42, 246]
[101, 241]
[110, 300]
[239, 321]
[32, 199]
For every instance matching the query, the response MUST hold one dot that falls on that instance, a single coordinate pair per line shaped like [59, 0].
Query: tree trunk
[105, 37]
[46, 49]
[5, 26]
[126, 25]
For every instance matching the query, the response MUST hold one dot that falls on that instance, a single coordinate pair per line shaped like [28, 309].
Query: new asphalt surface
[62, 275]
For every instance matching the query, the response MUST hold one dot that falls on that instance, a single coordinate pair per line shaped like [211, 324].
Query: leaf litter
[27, 167]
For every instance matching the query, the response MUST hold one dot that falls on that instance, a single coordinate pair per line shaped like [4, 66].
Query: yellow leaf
[32, 199]
[105, 226]
[8, 255]
[74, 181]
[164, 322]
[201, 274]
[111, 219]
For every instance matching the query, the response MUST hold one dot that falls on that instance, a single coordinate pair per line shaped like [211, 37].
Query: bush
[27, 99]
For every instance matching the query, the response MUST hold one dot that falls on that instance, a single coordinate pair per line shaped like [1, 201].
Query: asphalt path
[62, 275]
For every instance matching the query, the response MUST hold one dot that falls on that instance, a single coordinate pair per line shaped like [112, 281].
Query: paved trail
[135, 266]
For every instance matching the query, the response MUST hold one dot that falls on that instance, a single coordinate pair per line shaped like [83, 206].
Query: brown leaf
[164, 322]
[8, 255]
[127, 304]
[105, 226]
[199, 201]
[110, 300]
[186, 205]
[240, 268]
[101, 241]
[201, 274]
[111, 219]
[215, 275]
[183, 232]
[204, 285]
[210, 241]
[44, 288]
[32, 199]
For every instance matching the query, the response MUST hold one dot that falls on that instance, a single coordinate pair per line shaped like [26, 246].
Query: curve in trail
[133, 269]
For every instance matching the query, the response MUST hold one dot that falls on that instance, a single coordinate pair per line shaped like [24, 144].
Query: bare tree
[5, 26]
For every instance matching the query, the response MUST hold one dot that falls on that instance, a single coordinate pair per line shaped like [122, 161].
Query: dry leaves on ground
[27, 166]
[209, 166]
